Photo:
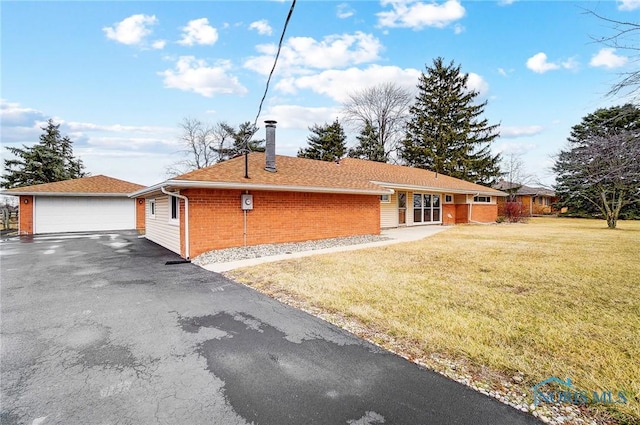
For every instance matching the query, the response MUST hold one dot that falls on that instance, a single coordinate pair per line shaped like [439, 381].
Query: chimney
[271, 146]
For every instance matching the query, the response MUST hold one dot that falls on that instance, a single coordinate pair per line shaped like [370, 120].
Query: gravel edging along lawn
[267, 250]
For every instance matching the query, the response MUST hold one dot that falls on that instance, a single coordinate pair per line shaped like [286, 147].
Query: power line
[266, 89]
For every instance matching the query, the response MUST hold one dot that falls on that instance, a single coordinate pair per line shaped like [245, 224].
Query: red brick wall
[448, 209]
[462, 213]
[26, 215]
[140, 214]
[217, 221]
[487, 213]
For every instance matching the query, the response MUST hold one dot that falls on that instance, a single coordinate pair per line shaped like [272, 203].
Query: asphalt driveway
[96, 329]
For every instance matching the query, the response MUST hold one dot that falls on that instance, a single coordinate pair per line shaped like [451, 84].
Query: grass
[554, 297]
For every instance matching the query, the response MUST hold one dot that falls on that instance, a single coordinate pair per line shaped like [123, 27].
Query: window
[448, 199]
[482, 199]
[426, 208]
[385, 199]
[152, 208]
[175, 207]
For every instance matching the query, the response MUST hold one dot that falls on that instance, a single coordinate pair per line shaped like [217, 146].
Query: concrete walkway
[399, 235]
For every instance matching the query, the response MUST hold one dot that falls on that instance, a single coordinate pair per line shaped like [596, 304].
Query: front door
[402, 207]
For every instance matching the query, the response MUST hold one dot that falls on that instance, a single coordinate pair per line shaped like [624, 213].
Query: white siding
[53, 214]
[158, 228]
[389, 213]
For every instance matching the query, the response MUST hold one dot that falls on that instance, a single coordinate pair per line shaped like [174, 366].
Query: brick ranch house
[288, 199]
[534, 200]
[95, 203]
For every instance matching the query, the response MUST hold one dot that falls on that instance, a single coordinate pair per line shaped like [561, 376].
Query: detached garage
[89, 204]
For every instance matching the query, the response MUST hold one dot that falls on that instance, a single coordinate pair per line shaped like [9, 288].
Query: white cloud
[14, 115]
[337, 84]
[416, 14]
[132, 30]
[476, 83]
[505, 2]
[113, 128]
[300, 117]
[502, 72]
[333, 51]
[343, 11]
[198, 31]
[628, 4]
[516, 148]
[522, 131]
[570, 64]
[159, 44]
[458, 29]
[19, 124]
[191, 74]
[538, 63]
[607, 58]
[262, 26]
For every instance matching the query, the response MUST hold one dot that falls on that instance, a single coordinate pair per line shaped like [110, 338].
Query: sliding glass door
[426, 208]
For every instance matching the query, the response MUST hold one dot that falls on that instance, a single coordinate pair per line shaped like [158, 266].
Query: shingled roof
[86, 186]
[348, 175]
[524, 189]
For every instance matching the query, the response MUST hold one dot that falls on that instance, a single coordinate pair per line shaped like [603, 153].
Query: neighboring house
[218, 207]
[534, 200]
[96, 203]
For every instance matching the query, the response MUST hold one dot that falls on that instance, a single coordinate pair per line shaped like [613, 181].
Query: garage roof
[86, 186]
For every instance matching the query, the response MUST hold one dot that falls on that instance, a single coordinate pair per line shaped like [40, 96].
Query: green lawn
[554, 297]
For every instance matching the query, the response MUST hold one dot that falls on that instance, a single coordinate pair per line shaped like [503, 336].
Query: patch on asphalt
[270, 380]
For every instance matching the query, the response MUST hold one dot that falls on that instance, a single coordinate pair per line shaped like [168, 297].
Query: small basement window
[152, 208]
[482, 199]
[385, 199]
[448, 199]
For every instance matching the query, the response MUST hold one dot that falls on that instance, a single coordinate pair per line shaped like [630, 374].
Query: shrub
[514, 212]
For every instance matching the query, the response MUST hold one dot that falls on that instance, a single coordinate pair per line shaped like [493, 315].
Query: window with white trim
[152, 208]
[482, 199]
[385, 199]
[426, 208]
[448, 199]
[174, 203]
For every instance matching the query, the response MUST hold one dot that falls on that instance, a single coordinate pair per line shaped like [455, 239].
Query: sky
[120, 76]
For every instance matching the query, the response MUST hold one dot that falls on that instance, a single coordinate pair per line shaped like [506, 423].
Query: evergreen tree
[599, 172]
[446, 132]
[242, 139]
[49, 160]
[327, 143]
[368, 146]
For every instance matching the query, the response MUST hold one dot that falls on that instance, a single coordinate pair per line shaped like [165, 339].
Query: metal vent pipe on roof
[270, 148]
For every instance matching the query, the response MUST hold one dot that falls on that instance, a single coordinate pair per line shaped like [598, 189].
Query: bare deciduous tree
[626, 37]
[203, 145]
[383, 107]
[514, 174]
[601, 165]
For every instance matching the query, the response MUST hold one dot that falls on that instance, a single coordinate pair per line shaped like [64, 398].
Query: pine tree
[242, 139]
[368, 146]
[445, 132]
[327, 143]
[49, 160]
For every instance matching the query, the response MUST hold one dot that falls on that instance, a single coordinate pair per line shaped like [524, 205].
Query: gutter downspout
[186, 218]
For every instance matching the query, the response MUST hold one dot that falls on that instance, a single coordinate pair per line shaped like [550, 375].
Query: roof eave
[82, 194]
[186, 184]
[492, 192]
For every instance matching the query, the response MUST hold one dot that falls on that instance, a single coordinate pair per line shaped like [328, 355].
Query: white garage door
[83, 214]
